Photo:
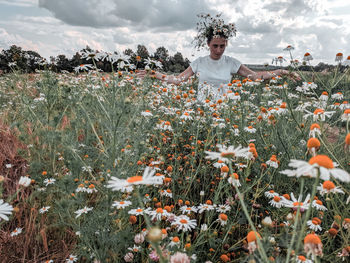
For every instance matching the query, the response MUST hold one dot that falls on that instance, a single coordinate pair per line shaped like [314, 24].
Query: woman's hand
[292, 75]
[141, 73]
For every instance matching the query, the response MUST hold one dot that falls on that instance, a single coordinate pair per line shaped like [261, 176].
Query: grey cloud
[157, 15]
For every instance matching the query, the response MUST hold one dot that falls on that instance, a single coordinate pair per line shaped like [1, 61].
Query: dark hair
[210, 34]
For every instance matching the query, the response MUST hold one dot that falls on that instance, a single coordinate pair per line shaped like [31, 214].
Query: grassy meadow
[99, 167]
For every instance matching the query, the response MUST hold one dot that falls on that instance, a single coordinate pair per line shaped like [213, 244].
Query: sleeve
[194, 65]
[235, 65]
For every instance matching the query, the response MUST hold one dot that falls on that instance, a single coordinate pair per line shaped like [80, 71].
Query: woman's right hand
[141, 73]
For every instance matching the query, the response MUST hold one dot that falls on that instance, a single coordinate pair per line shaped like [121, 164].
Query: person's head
[217, 46]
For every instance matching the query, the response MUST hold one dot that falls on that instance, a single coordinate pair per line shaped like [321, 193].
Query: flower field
[99, 167]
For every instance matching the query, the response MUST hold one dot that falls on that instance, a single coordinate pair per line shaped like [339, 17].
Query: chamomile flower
[5, 210]
[315, 129]
[138, 211]
[175, 242]
[148, 178]
[346, 115]
[84, 210]
[271, 193]
[329, 187]
[313, 245]
[296, 203]
[44, 209]
[24, 181]
[146, 113]
[302, 259]
[223, 208]
[184, 223]
[319, 114]
[188, 209]
[276, 201]
[49, 181]
[337, 96]
[71, 259]
[319, 205]
[205, 207]
[226, 154]
[273, 162]
[250, 129]
[219, 164]
[321, 164]
[158, 214]
[16, 232]
[315, 224]
[222, 219]
[121, 204]
[234, 180]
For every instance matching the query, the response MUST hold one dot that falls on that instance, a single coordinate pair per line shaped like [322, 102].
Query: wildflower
[49, 181]
[313, 144]
[318, 205]
[337, 96]
[346, 223]
[44, 209]
[307, 57]
[146, 113]
[71, 258]
[314, 129]
[302, 259]
[234, 180]
[346, 115]
[5, 209]
[147, 179]
[179, 257]
[139, 238]
[313, 245]
[205, 207]
[250, 129]
[321, 164]
[329, 187]
[273, 162]
[223, 208]
[271, 194]
[252, 241]
[24, 181]
[288, 48]
[267, 221]
[296, 203]
[347, 61]
[175, 241]
[158, 214]
[188, 209]
[222, 219]
[319, 114]
[219, 164]
[314, 224]
[84, 210]
[184, 223]
[276, 201]
[16, 232]
[324, 96]
[226, 154]
[83, 67]
[121, 204]
[186, 116]
[339, 57]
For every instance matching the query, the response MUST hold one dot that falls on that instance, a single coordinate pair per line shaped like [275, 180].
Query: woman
[215, 70]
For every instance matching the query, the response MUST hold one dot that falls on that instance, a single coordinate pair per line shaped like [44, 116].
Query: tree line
[15, 58]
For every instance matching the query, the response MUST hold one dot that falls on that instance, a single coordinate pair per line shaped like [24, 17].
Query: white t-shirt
[213, 75]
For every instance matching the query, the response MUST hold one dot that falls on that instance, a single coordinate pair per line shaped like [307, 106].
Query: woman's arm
[248, 73]
[183, 76]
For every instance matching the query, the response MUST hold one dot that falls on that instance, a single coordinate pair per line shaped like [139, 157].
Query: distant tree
[162, 55]
[142, 52]
[63, 63]
[177, 63]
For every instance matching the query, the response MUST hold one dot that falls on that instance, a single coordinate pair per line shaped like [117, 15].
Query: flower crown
[212, 27]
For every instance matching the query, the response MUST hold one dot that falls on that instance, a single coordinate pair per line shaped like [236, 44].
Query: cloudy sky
[265, 27]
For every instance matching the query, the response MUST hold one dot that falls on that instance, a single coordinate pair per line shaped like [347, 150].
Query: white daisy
[226, 154]
[329, 187]
[44, 209]
[24, 181]
[184, 223]
[188, 209]
[121, 204]
[84, 210]
[5, 210]
[319, 163]
[147, 179]
[314, 224]
[16, 232]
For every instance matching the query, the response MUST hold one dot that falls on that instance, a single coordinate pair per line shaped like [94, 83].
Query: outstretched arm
[183, 76]
[253, 75]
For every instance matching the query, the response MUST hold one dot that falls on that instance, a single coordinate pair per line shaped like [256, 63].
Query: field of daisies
[100, 167]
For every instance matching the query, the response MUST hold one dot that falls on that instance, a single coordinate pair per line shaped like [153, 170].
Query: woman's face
[217, 47]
